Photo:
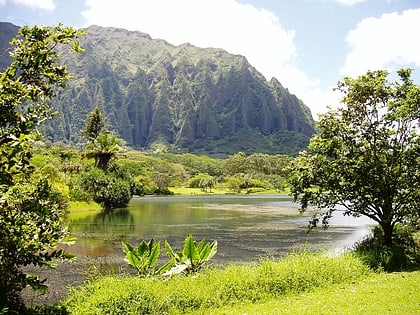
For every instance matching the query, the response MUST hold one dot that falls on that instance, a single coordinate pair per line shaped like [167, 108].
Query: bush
[32, 224]
[106, 187]
[403, 254]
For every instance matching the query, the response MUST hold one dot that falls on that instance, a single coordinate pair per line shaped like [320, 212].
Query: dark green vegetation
[31, 211]
[365, 160]
[175, 98]
[105, 182]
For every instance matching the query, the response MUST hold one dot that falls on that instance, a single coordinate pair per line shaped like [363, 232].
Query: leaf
[133, 260]
[126, 247]
[190, 249]
[143, 248]
[213, 250]
[201, 245]
[166, 267]
[154, 255]
[205, 251]
[169, 251]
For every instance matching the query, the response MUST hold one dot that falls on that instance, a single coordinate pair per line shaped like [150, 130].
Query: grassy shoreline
[216, 288]
[81, 206]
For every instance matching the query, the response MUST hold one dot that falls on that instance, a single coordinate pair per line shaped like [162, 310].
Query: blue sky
[308, 45]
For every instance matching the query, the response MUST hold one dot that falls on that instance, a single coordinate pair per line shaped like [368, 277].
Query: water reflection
[246, 227]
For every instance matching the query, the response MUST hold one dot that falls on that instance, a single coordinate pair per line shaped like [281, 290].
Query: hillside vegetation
[174, 98]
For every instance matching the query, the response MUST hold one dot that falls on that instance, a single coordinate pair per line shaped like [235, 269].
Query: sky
[308, 45]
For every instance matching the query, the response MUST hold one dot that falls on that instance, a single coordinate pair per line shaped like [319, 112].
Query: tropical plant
[31, 211]
[193, 257]
[103, 150]
[144, 258]
[365, 158]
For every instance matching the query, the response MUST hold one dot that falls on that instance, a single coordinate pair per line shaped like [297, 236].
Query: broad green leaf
[166, 267]
[201, 245]
[154, 255]
[143, 248]
[126, 247]
[190, 249]
[205, 251]
[213, 250]
[169, 251]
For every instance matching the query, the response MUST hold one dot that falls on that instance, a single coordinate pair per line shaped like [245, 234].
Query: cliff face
[183, 97]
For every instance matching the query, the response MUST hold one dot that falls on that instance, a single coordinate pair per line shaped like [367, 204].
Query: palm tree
[103, 149]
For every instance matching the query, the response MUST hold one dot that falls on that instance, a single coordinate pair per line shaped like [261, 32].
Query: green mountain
[181, 98]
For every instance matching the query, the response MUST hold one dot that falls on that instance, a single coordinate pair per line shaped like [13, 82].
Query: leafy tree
[111, 188]
[104, 149]
[31, 212]
[365, 159]
[94, 125]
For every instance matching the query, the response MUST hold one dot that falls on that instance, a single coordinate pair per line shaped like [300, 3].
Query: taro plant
[193, 256]
[144, 258]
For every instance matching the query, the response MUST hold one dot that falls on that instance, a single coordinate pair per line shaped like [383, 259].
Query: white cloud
[384, 43]
[238, 28]
[2, 3]
[48, 5]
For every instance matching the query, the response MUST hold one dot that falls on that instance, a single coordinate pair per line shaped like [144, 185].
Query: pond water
[246, 227]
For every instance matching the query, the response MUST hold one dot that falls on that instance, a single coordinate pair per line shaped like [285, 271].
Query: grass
[186, 191]
[384, 293]
[81, 206]
[231, 286]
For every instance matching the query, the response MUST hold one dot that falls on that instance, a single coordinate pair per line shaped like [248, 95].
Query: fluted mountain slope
[182, 98]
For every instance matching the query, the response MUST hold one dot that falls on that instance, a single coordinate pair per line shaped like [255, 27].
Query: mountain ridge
[183, 98]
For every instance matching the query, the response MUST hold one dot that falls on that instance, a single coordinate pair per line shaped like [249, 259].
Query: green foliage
[193, 257]
[200, 100]
[103, 149]
[31, 212]
[32, 220]
[214, 288]
[364, 160]
[94, 125]
[202, 181]
[195, 164]
[145, 257]
[401, 255]
[107, 187]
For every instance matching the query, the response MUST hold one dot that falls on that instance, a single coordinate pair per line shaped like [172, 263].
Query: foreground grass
[396, 293]
[215, 289]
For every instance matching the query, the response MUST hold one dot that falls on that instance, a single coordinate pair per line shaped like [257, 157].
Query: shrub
[106, 187]
[403, 254]
[32, 224]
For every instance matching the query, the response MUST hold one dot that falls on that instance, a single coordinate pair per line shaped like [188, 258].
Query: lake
[246, 227]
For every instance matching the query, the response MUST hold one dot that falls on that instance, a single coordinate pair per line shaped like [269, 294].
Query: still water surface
[246, 227]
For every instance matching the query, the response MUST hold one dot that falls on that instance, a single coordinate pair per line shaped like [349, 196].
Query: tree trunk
[388, 230]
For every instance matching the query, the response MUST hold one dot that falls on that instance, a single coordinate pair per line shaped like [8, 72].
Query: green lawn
[395, 293]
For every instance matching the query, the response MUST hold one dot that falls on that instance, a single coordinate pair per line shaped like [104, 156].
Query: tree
[94, 125]
[104, 149]
[31, 212]
[365, 158]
